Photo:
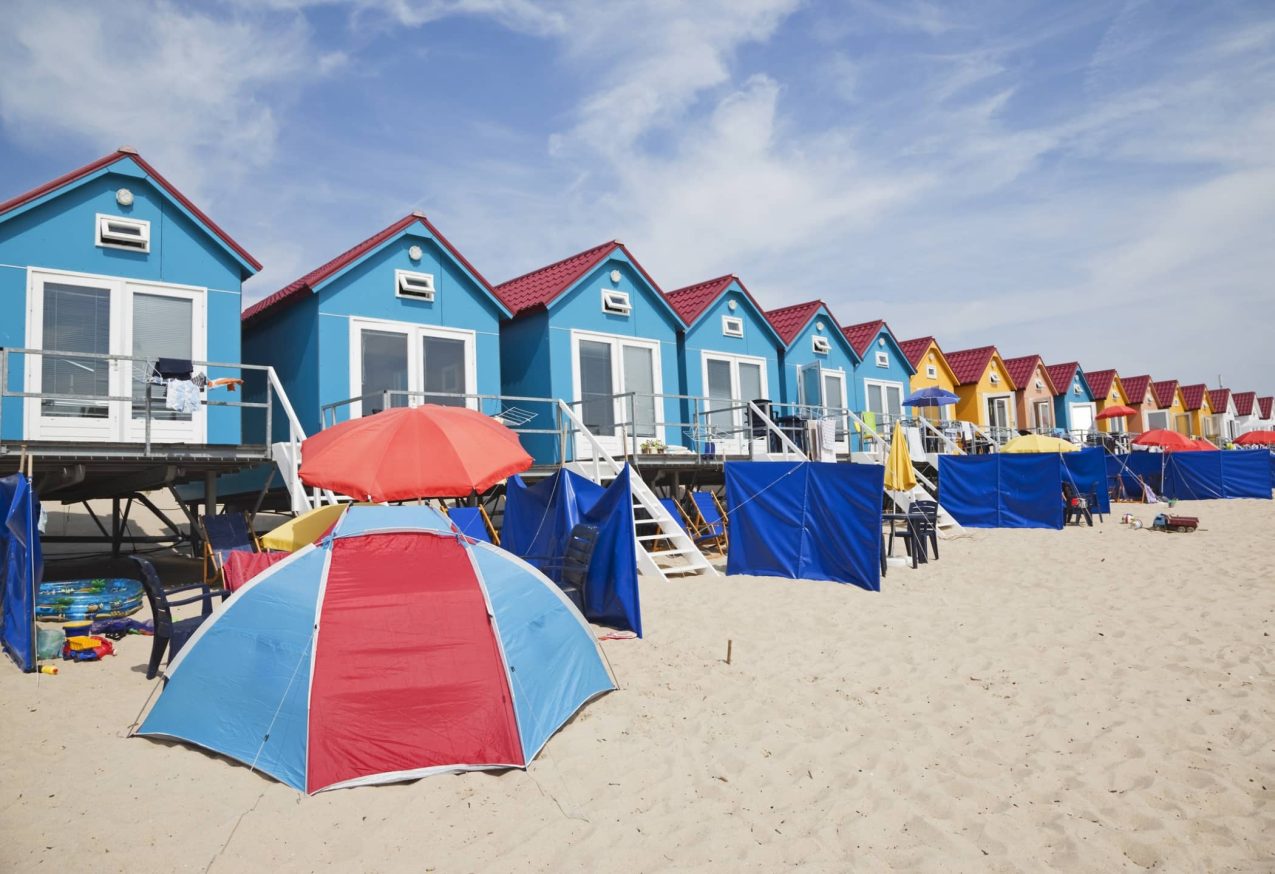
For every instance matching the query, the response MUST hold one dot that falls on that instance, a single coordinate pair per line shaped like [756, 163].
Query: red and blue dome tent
[392, 649]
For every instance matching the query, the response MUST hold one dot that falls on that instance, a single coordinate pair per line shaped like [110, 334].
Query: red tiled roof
[1020, 370]
[914, 350]
[1244, 401]
[1100, 382]
[316, 276]
[1164, 391]
[542, 286]
[691, 301]
[1135, 388]
[1061, 375]
[788, 321]
[968, 365]
[862, 335]
[1219, 398]
[1193, 395]
[1265, 406]
[106, 161]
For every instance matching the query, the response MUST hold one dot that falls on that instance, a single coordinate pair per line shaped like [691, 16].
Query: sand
[1087, 700]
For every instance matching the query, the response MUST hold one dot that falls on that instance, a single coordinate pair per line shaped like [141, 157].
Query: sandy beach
[1096, 699]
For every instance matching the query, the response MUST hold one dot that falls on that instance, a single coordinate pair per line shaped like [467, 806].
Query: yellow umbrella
[899, 475]
[304, 529]
[1039, 443]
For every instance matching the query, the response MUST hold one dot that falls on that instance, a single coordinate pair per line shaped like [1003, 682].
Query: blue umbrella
[930, 397]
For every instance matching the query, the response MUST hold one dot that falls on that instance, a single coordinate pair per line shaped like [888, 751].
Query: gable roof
[788, 321]
[1193, 396]
[103, 165]
[1135, 387]
[693, 301]
[1244, 401]
[1266, 405]
[1219, 399]
[862, 335]
[542, 286]
[914, 350]
[1061, 375]
[1100, 382]
[1020, 371]
[316, 277]
[1164, 391]
[968, 365]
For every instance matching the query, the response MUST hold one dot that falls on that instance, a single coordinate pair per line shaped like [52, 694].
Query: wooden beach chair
[474, 523]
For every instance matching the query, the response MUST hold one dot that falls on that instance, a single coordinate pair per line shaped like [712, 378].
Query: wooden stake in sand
[729, 644]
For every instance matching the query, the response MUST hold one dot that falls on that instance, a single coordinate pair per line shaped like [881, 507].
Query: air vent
[821, 345]
[616, 302]
[732, 326]
[1040, 385]
[1075, 389]
[115, 232]
[419, 286]
[883, 359]
[931, 371]
[994, 379]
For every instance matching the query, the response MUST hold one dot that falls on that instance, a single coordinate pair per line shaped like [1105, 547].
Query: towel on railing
[182, 396]
[827, 439]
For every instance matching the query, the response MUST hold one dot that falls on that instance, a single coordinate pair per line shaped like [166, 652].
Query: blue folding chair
[223, 534]
[710, 526]
[474, 523]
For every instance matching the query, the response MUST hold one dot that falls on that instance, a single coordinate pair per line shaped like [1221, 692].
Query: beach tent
[21, 566]
[1002, 490]
[391, 650]
[805, 520]
[537, 526]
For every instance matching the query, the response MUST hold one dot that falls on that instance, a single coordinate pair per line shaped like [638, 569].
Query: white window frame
[882, 359]
[931, 371]
[415, 333]
[732, 326]
[885, 385]
[119, 425]
[1164, 421]
[738, 441]
[618, 342]
[1010, 406]
[820, 345]
[616, 302]
[101, 231]
[405, 278]
[994, 378]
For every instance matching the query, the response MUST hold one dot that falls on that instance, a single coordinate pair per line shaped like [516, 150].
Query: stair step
[644, 537]
[682, 551]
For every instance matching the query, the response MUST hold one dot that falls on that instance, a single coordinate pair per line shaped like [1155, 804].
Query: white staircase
[287, 457]
[664, 549]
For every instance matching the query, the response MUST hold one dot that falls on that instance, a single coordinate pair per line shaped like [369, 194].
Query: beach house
[930, 370]
[1199, 411]
[1109, 391]
[883, 372]
[1033, 393]
[1225, 415]
[398, 319]
[1074, 409]
[595, 330]
[1246, 411]
[1141, 399]
[1265, 413]
[1170, 410]
[818, 364]
[986, 391]
[112, 267]
[729, 355]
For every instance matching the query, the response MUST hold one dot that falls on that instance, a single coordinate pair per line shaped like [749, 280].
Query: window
[616, 302]
[398, 364]
[114, 232]
[820, 345]
[995, 378]
[732, 326]
[883, 359]
[1075, 389]
[415, 285]
[1040, 385]
[931, 371]
[1157, 419]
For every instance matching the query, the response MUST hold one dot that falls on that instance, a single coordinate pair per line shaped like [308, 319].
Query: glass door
[444, 363]
[72, 315]
[167, 323]
[639, 379]
[835, 405]
[383, 368]
[607, 369]
[731, 382]
[415, 363]
[597, 388]
[1043, 416]
[998, 420]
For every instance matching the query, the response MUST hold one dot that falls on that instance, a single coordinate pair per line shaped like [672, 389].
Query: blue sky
[1083, 181]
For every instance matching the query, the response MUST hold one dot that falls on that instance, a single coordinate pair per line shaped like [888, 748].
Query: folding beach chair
[474, 523]
[223, 534]
[708, 524]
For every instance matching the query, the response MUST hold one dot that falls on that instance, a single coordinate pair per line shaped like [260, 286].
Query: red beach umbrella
[413, 452]
[1119, 411]
[1161, 438]
[1203, 445]
[1256, 438]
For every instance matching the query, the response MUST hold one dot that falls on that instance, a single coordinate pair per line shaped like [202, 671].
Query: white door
[98, 315]
[836, 405]
[398, 364]
[885, 403]
[998, 415]
[730, 383]
[617, 383]
[1082, 419]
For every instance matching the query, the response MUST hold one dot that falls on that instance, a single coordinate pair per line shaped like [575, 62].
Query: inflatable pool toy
[78, 600]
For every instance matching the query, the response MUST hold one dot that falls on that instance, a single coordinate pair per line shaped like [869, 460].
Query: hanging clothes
[182, 396]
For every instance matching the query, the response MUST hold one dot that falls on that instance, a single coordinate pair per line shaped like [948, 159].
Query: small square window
[115, 232]
[820, 345]
[732, 326]
[994, 379]
[1075, 389]
[616, 302]
[1040, 385]
[931, 371]
[883, 359]
[419, 286]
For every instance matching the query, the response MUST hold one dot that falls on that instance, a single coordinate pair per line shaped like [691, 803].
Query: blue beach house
[400, 318]
[112, 260]
[818, 363]
[883, 374]
[596, 331]
[729, 355]
[1074, 408]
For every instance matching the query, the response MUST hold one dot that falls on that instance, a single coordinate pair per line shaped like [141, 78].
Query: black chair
[929, 528]
[581, 543]
[1075, 506]
[170, 633]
